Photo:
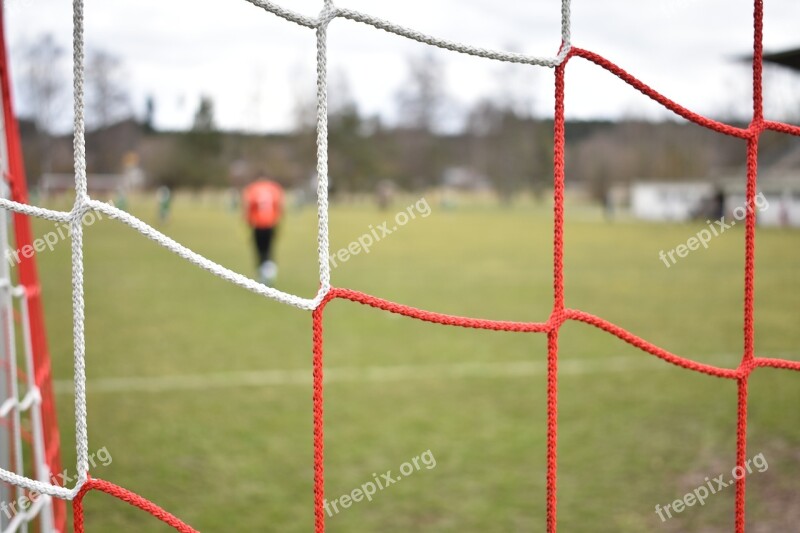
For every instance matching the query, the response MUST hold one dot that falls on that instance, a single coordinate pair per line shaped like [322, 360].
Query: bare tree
[149, 114]
[107, 104]
[304, 99]
[341, 101]
[304, 120]
[422, 103]
[508, 145]
[422, 98]
[193, 159]
[353, 155]
[43, 91]
[106, 95]
[515, 88]
[204, 121]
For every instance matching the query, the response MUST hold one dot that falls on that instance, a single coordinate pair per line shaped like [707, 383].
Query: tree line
[501, 142]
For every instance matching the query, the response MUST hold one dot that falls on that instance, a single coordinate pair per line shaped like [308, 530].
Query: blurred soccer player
[164, 198]
[262, 201]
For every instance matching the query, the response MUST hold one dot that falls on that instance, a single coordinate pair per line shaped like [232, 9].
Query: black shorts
[263, 238]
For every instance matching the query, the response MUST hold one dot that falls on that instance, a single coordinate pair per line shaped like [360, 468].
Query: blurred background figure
[233, 199]
[164, 198]
[718, 204]
[121, 199]
[262, 201]
[384, 194]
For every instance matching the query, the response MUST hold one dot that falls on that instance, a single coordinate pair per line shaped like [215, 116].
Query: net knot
[328, 13]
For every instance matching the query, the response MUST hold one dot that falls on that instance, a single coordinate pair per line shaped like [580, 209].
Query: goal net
[29, 438]
[44, 436]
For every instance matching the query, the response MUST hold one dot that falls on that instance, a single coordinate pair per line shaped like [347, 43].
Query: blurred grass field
[227, 455]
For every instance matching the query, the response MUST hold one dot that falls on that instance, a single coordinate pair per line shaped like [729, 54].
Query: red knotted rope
[126, 496]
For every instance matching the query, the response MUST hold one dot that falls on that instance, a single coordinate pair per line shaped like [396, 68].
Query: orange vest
[263, 203]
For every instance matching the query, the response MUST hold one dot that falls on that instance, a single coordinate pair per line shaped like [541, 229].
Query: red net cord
[126, 496]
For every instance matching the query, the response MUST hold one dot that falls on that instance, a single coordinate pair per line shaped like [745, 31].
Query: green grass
[240, 458]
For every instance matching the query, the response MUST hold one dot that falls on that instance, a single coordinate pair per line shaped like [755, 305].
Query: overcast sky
[251, 62]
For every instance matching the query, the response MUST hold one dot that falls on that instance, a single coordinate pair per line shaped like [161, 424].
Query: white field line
[372, 374]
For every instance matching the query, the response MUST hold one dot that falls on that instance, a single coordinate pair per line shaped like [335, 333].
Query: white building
[668, 201]
[679, 201]
[782, 200]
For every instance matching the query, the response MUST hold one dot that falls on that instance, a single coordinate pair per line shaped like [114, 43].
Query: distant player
[262, 202]
[164, 197]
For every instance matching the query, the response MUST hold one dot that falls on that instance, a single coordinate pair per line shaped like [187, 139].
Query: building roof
[787, 58]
